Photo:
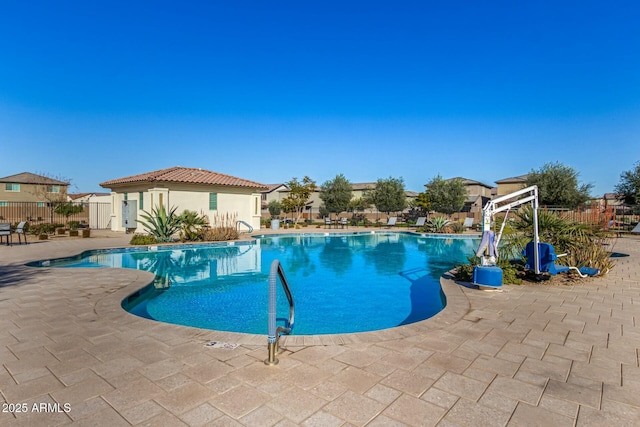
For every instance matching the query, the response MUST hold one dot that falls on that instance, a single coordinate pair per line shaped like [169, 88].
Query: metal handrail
[245, 223]
[274, 333]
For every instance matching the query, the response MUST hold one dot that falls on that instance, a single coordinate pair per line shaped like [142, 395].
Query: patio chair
[546, 261]
[344, 223]
[20, 231]
[5, 231]
[392, 221]
[468, 223]
[420, 221]
[327, 222]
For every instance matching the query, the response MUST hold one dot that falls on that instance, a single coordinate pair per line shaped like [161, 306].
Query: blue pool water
[340, 283]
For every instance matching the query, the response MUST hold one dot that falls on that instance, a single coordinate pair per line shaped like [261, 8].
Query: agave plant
[160, 223]
[438, 224]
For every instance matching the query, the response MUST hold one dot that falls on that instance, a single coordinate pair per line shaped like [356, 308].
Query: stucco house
[209, 193]
[511, 184]
[273, 192]
[29, 187]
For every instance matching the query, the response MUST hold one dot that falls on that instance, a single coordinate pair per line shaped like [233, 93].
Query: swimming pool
[341, 283]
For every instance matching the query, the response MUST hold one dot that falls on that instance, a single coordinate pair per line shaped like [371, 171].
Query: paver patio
[533, 355]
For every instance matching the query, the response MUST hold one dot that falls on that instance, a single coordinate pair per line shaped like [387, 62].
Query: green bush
[143, 239]
[73, 225]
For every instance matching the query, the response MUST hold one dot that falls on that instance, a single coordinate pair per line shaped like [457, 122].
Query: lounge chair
[547, 257]
[420, 221]
[392, 221]
[344, 223]
[20, 231]
[468, 223]
[5, 231]
[327, 222]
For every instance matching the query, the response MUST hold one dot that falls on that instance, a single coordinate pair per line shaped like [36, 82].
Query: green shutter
[140, 200]
[213, 201]
[126, 196]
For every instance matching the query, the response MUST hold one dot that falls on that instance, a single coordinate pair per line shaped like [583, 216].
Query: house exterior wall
[31, 193]
[478, 190]
[244, 203]
[509, 187]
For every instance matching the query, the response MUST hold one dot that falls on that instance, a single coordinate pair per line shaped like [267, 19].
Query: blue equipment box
[487, 275]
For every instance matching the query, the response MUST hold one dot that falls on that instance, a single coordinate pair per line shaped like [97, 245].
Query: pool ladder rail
[245, 223]
[274, 332]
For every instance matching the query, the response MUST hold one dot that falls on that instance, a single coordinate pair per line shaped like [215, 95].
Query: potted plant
[274, 210]
[86, 232]
[73, 228]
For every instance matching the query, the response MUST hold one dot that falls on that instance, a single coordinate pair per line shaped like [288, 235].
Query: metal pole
[536, 238]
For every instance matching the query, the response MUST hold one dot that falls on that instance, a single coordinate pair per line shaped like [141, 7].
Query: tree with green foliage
[358, 204]
[388, 196]
[68, 208]
[275, 207]
[336, 194]
[446, 196]
[423, 204]
[628, 189]
[558, 186]
[299, 194]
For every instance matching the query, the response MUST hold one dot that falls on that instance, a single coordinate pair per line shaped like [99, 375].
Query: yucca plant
[191, 224]
[437, 224]
[160, 223]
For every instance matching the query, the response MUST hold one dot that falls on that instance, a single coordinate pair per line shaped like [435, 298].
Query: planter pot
[73, 233]
[43, 237]
[60, 231]
[275, 224]
[86, 232]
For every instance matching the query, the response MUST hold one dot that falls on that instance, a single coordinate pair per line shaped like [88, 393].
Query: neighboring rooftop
[31, 178]
[75, 196]
[179, 174]
[467, 181]
[514, 179]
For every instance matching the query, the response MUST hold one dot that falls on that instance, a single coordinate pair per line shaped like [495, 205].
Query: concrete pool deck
[535, 354]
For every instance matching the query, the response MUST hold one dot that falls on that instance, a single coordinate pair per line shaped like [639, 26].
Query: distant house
[509, 185]
[89, 197]
[272, 192]
[212, 194]
[29, 187]
[478, 193]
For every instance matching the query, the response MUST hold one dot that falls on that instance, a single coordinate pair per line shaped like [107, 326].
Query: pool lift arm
[488, 249]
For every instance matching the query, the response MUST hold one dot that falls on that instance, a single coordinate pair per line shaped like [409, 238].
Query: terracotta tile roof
[31, 178]
[184, 175]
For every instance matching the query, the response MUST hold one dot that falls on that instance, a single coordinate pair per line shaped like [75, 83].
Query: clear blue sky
[269, 90]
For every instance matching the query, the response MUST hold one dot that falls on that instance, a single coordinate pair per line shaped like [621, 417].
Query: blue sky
[93, 91]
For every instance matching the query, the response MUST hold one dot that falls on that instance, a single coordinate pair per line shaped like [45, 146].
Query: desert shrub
[457, 227]
[73, 225]
[223, 227]
[143, 239]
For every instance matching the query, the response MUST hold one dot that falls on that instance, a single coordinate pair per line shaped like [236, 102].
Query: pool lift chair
[488, 275]
[547, 263]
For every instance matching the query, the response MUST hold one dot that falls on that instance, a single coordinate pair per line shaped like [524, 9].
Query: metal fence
[95, 215]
